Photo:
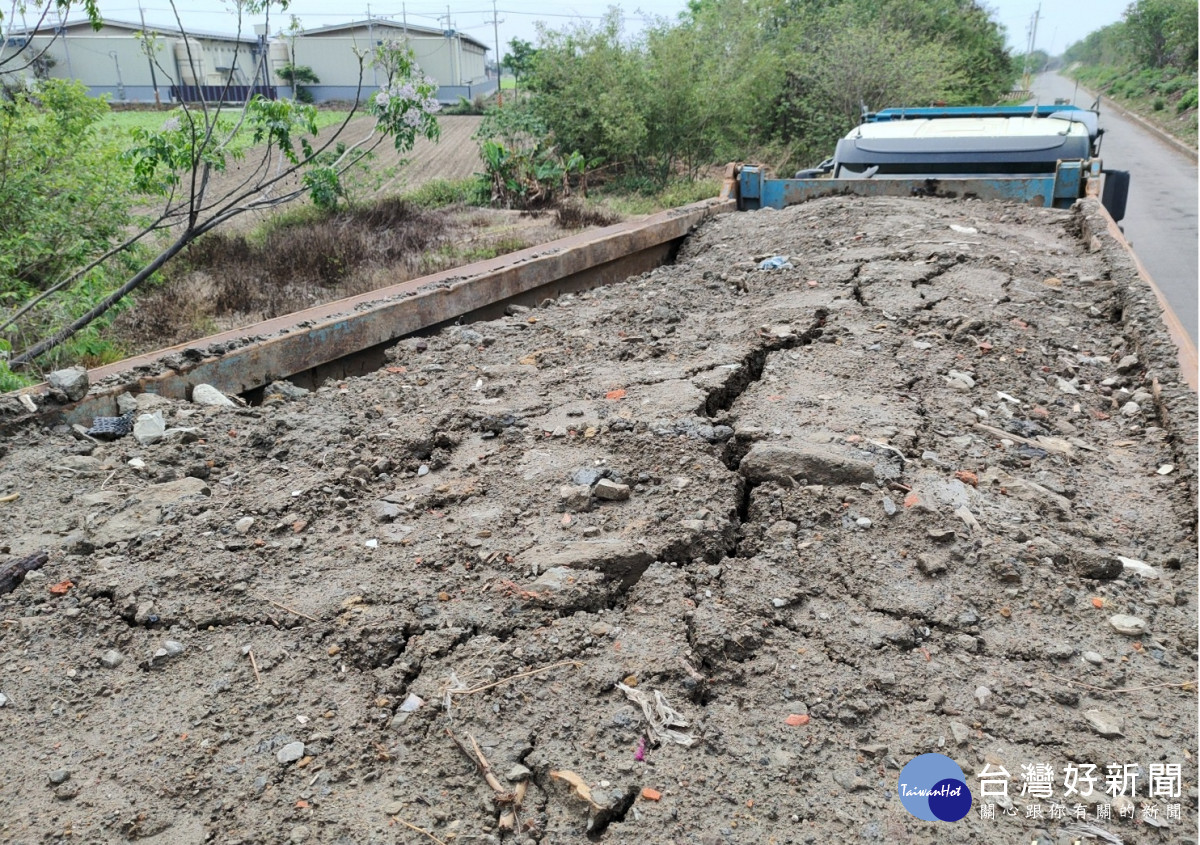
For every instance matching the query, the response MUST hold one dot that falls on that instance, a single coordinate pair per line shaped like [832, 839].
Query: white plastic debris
[778, 262]
[413, 702]
[1138, 567]
[453, 685]
[662, 717]
[149, 428]
[964, 230]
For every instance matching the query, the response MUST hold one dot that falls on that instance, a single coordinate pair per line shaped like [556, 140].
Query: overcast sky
[1062, 21]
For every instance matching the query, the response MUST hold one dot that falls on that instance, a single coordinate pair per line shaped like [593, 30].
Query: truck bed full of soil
[930, 488]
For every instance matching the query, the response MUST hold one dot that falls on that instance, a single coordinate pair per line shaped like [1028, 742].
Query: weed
[440, 193]
[295, 261]
[577, 215]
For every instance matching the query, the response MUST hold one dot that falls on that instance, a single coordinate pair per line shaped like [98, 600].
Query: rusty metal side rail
[1185, 348]
[254, 356]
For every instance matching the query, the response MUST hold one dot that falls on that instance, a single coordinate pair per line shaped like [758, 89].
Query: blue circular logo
[933, 788]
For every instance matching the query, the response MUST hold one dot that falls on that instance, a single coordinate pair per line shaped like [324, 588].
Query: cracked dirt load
[901, 490]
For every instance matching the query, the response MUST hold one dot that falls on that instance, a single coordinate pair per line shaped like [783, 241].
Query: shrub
[440, 193]
[576, 215]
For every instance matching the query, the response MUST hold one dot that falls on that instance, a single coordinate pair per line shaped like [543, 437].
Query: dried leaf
[578, 785]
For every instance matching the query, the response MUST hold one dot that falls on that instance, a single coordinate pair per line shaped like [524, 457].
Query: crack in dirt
[751, 367]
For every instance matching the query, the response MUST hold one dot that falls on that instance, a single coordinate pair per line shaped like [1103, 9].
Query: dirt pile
[930, 488]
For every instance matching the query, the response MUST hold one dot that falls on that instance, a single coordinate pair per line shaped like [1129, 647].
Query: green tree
[1162, 32]
[297, 76]
[177, 163]
[589, 90]
[63, 195]
[1105, 46]
[520, 59]
[867, 67]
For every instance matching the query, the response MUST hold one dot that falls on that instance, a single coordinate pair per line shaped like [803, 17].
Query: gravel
[734, 581]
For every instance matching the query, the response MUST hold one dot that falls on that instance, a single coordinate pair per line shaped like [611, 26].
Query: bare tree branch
[189, 210]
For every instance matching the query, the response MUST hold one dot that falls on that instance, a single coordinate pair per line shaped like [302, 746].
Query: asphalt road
[1161, 218]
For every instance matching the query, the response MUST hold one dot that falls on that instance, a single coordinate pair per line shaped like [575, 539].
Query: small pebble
[1130, 626]
[1093, 657]
[1103, 723]
[290, 753]
[173, 648]
[518, 773]
[242, 526]
[111, 659]
[59, 776]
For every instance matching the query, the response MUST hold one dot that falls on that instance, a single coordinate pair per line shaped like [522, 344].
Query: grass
[442, 193]
[303, 257]
[1163, 97]
[452, 255]
[620, 200]
[124, 122]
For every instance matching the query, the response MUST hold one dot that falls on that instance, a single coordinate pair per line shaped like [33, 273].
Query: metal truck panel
[307, 341]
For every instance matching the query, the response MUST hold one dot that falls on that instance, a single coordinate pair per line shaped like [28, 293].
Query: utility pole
[371, 38]
[150, 58]
[496, 31]
[448, 31]
[1026, 80]
[62, 30]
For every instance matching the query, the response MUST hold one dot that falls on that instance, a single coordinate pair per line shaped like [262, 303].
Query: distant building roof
[83, 23]
[391, 24]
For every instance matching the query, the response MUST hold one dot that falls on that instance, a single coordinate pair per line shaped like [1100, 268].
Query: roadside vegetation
[1147, 62]
[778, 80]
[598, 124]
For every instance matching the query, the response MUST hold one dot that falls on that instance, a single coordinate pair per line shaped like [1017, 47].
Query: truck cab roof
[968, 141]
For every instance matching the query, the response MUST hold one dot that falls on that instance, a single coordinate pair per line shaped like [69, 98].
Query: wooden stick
[1016, 438]
[514, 677]
[486, 767]
[254, 664]
[1185, 684]
[11, 497]
[419, 830]
[282, 606]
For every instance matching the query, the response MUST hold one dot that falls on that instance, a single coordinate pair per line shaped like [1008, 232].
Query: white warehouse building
[169, 67]
[457, 62]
